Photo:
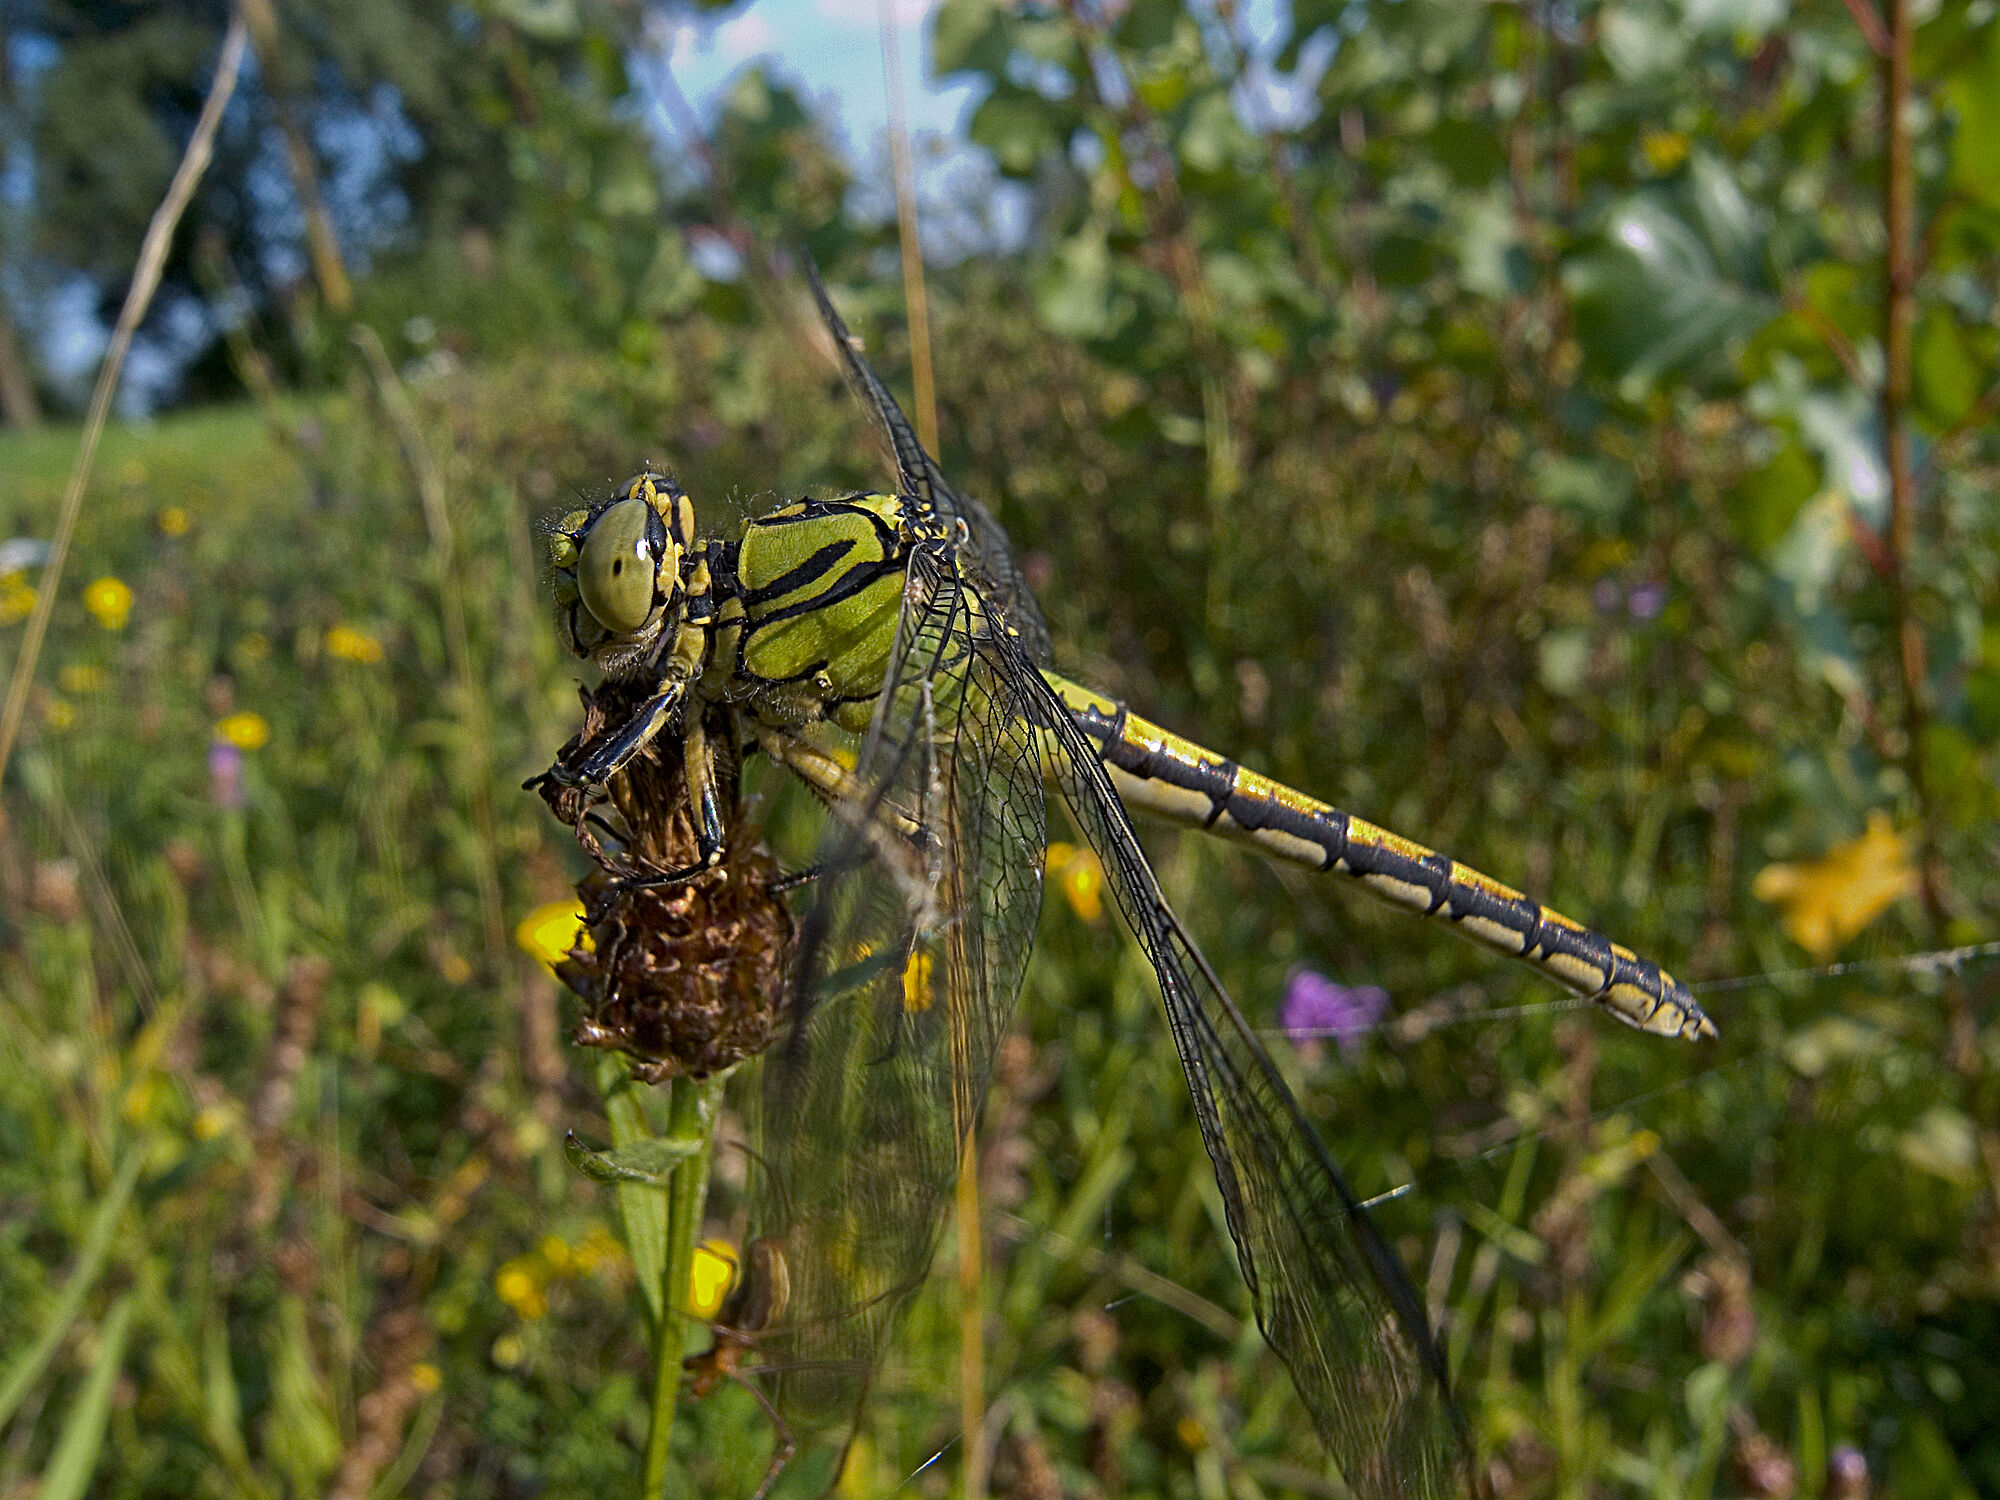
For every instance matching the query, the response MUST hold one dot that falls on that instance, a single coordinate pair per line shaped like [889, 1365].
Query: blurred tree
[439, 134]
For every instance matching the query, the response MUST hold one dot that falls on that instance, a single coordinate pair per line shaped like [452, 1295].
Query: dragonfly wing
[912, 947]
[1330, 1295]
[986, 552]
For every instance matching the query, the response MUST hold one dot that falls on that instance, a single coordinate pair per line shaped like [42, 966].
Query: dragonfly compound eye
[619, 566]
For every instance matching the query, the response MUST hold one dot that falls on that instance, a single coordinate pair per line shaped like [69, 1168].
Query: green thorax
[810, 619]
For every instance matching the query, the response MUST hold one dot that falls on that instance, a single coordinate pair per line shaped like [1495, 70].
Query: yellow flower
[175, 521]
[599, 1251]
[1080, 877]
[710, 1277]
[254, 647]
[551, 930]
[17, 598]
[521, 1286]
[349, 644]
[509, 1351]
[858, 1476]
[59, 714]
[110, 600]
[81, 678]
[142, 1098]
[244, 730]
[1193, 1436]
[1823, 902]
[1664, 149]
[917, 982]
[425, 1376]
[555, 1253]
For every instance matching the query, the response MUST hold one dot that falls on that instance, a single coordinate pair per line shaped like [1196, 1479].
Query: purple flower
[225, 774]
[1316, 1007]
[1646, 600]
[1846, 1473]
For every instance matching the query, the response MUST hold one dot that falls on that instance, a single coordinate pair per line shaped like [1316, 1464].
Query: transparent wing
[986, 554]
[1330, 1295]
[912, 947]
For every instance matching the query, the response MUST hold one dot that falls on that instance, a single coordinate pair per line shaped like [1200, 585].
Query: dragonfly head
[618, 570]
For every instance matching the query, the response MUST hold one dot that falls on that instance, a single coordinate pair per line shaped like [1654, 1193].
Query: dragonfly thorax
[620, 572]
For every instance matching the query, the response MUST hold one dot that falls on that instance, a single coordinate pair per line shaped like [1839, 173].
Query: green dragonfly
[885, 649]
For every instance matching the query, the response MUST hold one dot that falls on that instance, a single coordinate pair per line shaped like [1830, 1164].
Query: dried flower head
[684, 979]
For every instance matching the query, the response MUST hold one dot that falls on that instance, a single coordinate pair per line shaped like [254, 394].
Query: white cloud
[745, 36]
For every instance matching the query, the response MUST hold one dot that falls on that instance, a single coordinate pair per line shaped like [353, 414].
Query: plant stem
[1898, 324]
[690, 1116]
[138, 297]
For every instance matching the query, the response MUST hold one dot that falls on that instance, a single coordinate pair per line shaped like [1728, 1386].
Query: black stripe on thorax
[854, 580]
[801, 576]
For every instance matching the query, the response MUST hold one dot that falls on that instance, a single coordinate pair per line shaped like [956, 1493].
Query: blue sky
[833, 48]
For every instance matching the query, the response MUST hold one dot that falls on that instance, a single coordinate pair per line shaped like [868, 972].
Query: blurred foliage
[1471, 415]
[486, 155]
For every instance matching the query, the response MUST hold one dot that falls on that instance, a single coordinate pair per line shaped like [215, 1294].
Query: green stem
[690, 1116]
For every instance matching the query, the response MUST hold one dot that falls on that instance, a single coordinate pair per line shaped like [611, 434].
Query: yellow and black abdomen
[1161, 773]
[818, 589]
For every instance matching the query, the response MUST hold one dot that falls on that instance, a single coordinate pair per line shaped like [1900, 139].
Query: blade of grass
[402, 415]
[138, 298]
[75, 1458]
[29, 1366]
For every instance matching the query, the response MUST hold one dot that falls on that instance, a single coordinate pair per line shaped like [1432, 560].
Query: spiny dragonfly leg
[710, 836]
[611, 754]
[797, 879]
[786, 1446]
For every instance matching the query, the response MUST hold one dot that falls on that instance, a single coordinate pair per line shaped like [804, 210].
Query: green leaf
[1768, 499]
[27, 1368]
[1469, 149]
[1074, 296]
[75, 1457]
[1652, 301]
[1565, 660]
[544, 20]
[1639, 42]
[968, 37]
[1595, 488]
[651, 1161]
[1492, 261]
[1017, 127]
[1949, 374]
[1974, 90]
[1956, 773]
[1149, 23]
[641, 1208]
[1943, 1143]
[1213, 137]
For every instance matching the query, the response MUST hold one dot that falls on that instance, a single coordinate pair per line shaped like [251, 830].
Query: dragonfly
[885, 649]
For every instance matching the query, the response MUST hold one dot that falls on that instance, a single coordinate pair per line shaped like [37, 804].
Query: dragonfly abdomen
[1159, 772]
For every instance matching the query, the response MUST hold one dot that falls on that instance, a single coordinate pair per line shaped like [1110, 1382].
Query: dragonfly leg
[710, 836]
[797, 879]
[612, 753]
[786, 1446]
